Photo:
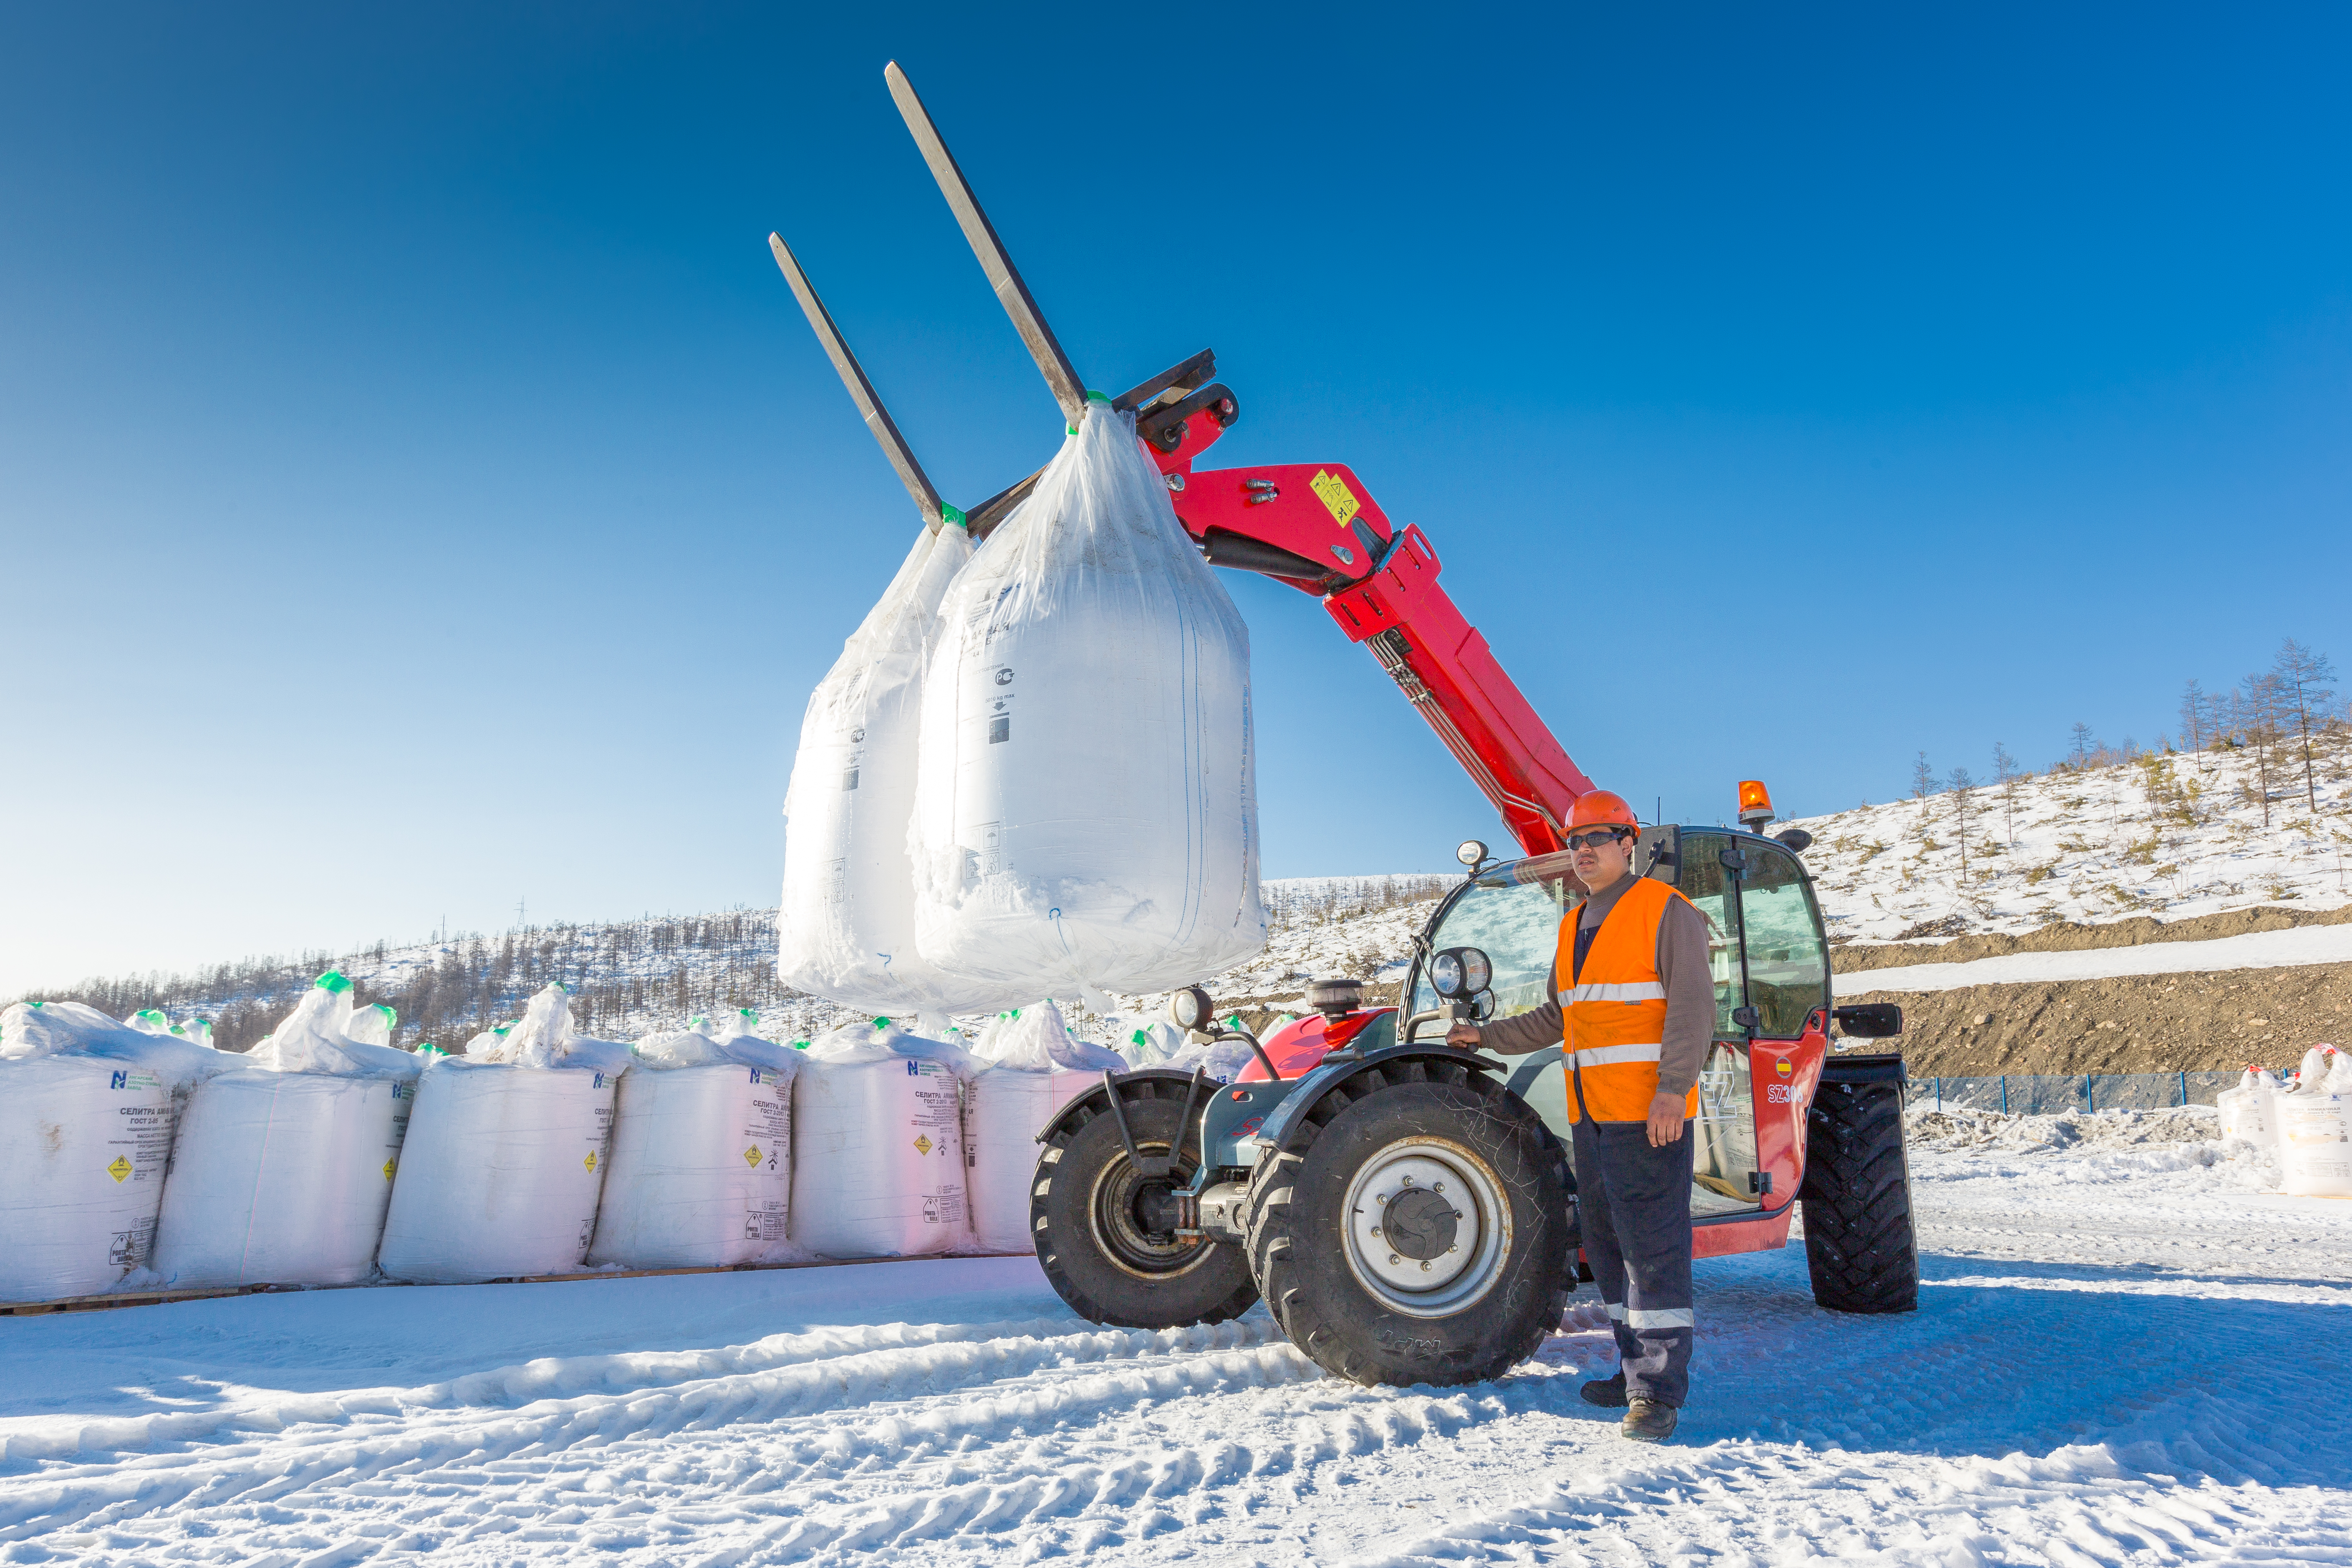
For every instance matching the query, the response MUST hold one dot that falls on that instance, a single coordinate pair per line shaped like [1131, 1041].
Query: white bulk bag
[2245, 1111]
[845, 930]
[702, 1147]
[877, 1146]
[1039, 1070]
[2314, 1144]
[506, 1156]
[87, 1113]
[282, 1171]
[1087, 812]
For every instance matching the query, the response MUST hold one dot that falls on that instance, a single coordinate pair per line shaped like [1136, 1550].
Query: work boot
[1607, 1393]
[1647, 1421]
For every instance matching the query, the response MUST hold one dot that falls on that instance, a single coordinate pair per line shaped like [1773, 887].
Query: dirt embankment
[2065, 936]
[2138, 1023]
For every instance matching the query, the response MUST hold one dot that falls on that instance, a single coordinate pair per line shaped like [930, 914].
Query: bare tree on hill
[1963, 793]
[2004, 769]
[1923, 784]
[2302, 676]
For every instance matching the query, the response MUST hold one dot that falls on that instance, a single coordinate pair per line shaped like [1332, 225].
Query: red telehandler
[1406, 1208]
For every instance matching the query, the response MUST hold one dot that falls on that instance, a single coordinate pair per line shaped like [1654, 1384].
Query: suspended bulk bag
[1086, 813]
[505, 1155]
[282, 1171]
[88, 1109]
[845, 930]
[1039, 1070]
[702, 1150]
[877, 1146]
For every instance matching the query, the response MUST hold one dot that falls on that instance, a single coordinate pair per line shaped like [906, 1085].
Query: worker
[1634, 1010]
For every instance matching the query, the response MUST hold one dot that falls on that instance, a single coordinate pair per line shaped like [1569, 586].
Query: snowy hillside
[631, 978]
[2171, 837]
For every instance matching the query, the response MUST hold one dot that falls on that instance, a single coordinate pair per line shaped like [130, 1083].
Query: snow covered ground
[2124, 1353]
[2171, 837]
[2254, 949]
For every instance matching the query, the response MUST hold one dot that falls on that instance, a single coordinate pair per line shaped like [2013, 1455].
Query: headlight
[1478, 974]
[1445, 974]
[1191, 1009]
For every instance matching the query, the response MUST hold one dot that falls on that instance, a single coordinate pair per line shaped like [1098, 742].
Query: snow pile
[281, 1171]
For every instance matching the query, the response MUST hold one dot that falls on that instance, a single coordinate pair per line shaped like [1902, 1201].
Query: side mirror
[1869, 1020]
[1796, 838]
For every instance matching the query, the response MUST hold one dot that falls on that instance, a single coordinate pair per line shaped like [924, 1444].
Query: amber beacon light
[1755, 804]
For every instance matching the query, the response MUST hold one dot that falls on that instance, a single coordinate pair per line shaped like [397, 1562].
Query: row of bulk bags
[1082, 813]
[506, 1154]
[87, 1110]
[284, 1164]
[701, 1173]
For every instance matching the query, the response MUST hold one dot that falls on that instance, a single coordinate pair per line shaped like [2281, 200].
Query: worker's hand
[1465, 1035]
[1665, 1120]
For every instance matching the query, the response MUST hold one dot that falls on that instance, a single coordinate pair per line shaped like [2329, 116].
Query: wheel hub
[1426, 1226]
[1133, 1219]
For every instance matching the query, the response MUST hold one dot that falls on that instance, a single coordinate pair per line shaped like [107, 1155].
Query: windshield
[1512, 914]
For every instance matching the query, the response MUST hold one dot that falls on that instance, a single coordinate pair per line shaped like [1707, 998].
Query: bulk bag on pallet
[845, 930]
[282, 1171]
[2246, 1110]
[702, 1155]
[1086, 818]
[1038, 1069]
[506, 1156]
[2314, 1132]
[88, 1109]
[877, 1146]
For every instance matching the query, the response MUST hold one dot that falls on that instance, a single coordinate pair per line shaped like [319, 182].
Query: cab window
[1701, 878]
[1512, 915]
[1787, 967]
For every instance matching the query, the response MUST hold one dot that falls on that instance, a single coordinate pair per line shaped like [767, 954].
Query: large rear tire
[1104, 1232]
[1859, 1242]
[1413, 1228]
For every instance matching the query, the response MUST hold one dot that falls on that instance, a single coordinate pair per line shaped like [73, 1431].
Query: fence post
[2090, 1099]
[2004, 1094]
[2184, 1088]
[1940, 1092]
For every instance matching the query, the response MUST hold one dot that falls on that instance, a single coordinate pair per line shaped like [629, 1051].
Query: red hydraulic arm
[1317, 527]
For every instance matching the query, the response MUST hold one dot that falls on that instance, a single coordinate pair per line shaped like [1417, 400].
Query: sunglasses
[1595, 840]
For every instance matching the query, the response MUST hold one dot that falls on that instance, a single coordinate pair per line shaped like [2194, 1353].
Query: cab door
[1723, 1155]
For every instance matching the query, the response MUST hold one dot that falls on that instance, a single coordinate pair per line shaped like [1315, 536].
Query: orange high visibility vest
[1614, 1014]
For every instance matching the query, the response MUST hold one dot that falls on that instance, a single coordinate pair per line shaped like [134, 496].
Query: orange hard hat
[1603, 808]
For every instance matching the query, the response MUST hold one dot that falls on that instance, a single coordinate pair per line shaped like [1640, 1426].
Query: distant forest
[628, 978]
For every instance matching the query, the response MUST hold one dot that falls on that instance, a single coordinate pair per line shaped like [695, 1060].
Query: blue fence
[2029, 1094]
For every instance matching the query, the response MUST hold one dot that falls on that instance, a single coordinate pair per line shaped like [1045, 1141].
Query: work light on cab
[1459, 972]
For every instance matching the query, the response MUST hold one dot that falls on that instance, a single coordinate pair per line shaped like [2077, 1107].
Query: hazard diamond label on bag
[590, 1162]
[120, 1169]
[390, 1166]
[1334, 494]
[751, 1155]
[922, 1144]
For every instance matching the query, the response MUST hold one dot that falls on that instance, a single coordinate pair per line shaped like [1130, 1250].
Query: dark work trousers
[1634, 1203]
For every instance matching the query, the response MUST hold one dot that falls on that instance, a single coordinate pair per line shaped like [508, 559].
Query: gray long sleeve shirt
[1682, 968]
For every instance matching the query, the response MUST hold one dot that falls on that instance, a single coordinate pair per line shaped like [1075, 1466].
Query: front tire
[1103, 1231]
[1859, 1242]
[1414, 1228]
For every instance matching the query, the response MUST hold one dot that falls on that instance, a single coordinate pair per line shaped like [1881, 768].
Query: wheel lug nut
[1376, 1230]
[1425, 1268]
[1394, 1259]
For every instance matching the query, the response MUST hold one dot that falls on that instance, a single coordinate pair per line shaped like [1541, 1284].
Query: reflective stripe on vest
[1614, 1014]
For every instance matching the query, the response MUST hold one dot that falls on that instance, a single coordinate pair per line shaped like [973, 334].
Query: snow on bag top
[846, 927]
[1086, 816]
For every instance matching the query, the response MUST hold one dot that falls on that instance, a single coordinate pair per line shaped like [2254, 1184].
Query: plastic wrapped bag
[877, 1146]
[87, 1110]
[703, 1152]
[506, 1158]
[847, 926]
[373, 1025]
[282, 1171]
[1039, 1068]
[1086, 818]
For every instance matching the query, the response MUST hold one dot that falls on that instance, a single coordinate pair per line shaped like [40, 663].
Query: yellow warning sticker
[390, 1166]
[922, 1143]
[590, 1162]
[1335, 494]
[751, 1155]
[120, 1169]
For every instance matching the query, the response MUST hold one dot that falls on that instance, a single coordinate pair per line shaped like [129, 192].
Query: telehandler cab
[1406, 1208]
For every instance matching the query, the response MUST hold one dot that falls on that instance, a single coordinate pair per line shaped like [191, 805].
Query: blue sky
[419, 493]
